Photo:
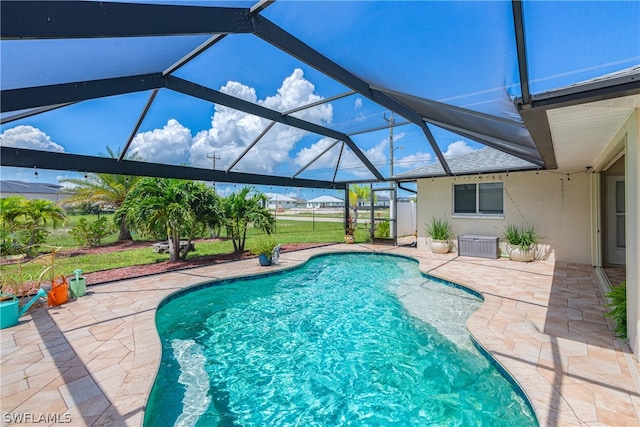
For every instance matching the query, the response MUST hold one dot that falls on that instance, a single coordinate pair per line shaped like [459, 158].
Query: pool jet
[9, 309]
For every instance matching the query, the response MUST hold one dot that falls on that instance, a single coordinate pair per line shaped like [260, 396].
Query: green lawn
[287, 231]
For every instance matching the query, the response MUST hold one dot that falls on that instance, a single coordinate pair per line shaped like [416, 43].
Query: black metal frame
[21, 157]
[530, 140]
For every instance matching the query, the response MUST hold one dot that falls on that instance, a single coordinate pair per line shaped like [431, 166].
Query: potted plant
[441, 234]
[349, 230]
[522, 242]
[264, 249]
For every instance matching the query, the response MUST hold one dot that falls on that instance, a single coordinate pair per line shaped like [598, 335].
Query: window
[478, 199]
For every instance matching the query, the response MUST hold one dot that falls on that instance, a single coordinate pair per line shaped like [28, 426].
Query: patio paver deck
[93, 361]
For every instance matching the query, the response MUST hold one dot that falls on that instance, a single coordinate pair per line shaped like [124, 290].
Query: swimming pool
[345, 339]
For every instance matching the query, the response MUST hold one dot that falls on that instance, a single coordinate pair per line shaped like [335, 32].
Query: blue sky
[462, 53]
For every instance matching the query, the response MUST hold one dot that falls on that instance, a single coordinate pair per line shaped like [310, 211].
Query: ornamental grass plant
[439, 229]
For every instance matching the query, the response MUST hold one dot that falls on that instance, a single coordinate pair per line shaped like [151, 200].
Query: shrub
[383, 229]
[618, 297]
[90, 234]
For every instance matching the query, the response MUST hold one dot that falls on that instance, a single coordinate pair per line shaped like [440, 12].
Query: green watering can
[78, 285]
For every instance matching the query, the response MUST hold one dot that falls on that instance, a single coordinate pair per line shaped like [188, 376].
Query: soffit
[580, 133]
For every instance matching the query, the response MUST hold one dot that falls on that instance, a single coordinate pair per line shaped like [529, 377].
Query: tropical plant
[439, 229]
[241, 209]
[349, 226]
[180, 206]
[103, 189]
[89, 234]
[523, 237]
[618, 304]
[383, 229]
[24, 222]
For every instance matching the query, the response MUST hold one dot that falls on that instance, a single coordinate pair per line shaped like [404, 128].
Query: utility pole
[213, 157]
[392, 194]
[391, 121]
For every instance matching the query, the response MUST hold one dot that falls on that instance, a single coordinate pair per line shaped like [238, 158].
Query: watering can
[10, 311]
[78, 285]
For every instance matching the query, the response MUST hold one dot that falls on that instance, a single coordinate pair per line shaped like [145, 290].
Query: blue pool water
[346, 339]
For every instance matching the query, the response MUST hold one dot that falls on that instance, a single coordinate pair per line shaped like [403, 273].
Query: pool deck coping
[93, 361]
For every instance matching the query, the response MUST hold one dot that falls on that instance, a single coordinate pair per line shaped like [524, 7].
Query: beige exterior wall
[557, 207]
[632, 185]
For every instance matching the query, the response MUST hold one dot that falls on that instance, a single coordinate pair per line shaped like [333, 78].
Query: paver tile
[97, 357]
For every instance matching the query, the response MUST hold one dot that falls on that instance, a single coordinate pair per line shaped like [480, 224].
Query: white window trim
[476, 215]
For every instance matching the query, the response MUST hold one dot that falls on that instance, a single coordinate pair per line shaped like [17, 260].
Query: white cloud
[232, 131]
[167, 145]
[457, 148]
[30, 138]
[358, 104]
[412, 161]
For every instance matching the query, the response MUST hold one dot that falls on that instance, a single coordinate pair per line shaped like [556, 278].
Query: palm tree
[177, 205]
[242, 208]
[106, 189]
[24, 220]
[11, 208]
[357, 193]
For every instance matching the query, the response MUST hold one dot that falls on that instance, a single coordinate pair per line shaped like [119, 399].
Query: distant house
[325, 202]
[31, 190]
[380, 202]
[280, 201]
[300, 203]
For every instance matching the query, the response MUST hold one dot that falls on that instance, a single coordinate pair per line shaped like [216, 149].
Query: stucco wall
[557, 207]
[632, 185]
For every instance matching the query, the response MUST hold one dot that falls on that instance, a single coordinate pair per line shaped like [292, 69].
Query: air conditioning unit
[478, 246]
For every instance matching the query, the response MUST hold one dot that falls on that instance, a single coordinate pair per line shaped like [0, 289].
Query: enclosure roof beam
[434, 147]
[316, 158]
[217, 97]
[32, 112]
[250, 146]
[39, 96]
[518, 23]
[138, 124]
[19, 157]
[21, 20]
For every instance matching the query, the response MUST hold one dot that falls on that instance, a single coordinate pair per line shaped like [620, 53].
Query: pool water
[346, 339]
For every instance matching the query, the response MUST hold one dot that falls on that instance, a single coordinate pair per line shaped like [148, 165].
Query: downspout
[407, 189]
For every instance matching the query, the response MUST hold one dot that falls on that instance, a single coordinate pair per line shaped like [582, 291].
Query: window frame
[477, 213]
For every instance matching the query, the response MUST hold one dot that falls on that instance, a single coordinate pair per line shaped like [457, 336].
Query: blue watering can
[10, 310]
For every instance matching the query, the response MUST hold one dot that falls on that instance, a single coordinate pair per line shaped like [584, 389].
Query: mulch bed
[165, 266]
[134, 271]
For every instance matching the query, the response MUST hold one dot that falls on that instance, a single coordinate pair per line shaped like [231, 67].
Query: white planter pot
[440, 246]
[516, 253]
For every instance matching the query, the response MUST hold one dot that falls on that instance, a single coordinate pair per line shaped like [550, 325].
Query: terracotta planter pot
[440, 246]
[516, 253]
[348, 238]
